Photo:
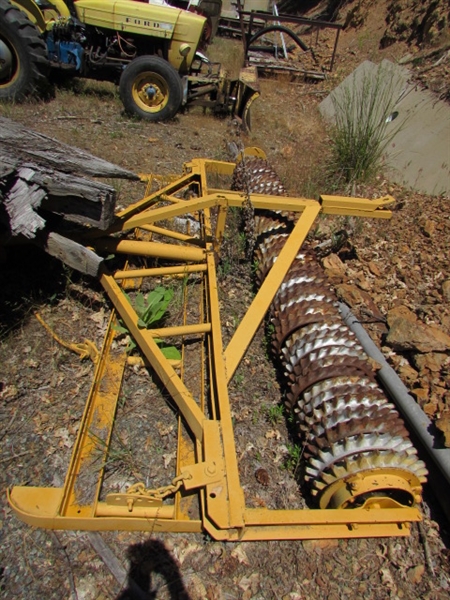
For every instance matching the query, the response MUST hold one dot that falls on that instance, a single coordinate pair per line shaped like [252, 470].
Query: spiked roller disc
[356, 448]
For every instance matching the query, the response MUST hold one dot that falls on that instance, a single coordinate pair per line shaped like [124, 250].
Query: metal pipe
[168, 251]
[182, 270]
[411, 411]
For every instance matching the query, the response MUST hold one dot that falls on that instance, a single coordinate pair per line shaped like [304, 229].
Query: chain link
[160, 493]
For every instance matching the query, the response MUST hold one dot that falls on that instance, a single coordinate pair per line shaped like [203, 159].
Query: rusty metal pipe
[411, 411]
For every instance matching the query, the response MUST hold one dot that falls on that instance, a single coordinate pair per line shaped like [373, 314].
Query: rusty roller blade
[296, 317]
[298, 386]
[324, 434]
[378, 461]
[339, 386]
[347, 424]
[310, 269]
[305, 292]
[307, 362]
[331, 413]
[301, 281]
[269, 248]
[298, 345]
[340, 398]
[253, 173]
[358, 444]
[300, 350]
[311, 304]
[314, 368]
[305, 309]
[323, 330]
[265, 224]
[297, 357]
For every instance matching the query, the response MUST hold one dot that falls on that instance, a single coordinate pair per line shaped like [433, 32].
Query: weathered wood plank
[77, 199]
[20, 203]
[18, 141]
[73, 254]
[44, 184]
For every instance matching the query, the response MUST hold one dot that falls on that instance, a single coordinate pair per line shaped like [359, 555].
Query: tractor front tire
[23, 55]
[150, 88]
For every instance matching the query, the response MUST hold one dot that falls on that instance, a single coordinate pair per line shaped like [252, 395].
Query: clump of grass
[293, 458]
[363, 111]
[274, 414]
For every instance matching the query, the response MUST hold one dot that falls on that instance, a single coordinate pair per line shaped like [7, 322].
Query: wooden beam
[17, 141]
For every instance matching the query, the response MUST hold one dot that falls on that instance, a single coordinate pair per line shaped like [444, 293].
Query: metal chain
[160, 493]
[248, 211]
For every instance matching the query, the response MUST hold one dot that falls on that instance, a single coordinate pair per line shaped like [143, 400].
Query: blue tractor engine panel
[65, 52]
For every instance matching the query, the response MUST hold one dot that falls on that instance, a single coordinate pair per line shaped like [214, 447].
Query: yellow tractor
[154, 52]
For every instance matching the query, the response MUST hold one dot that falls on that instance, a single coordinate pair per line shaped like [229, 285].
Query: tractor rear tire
[150, 88]
[23, 55]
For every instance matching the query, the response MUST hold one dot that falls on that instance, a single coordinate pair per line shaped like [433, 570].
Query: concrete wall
[418, 156]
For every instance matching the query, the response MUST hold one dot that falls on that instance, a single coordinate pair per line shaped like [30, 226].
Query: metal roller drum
[357, 450]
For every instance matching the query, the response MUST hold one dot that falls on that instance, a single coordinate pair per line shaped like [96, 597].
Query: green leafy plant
[364, 111]
[275, 413]
[293, 458]
[151, 310]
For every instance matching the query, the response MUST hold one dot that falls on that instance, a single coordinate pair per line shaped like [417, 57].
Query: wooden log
[73, 254]
[20, 203]
[40, 175]
[16, 141]
[44, 185]
[29, 190]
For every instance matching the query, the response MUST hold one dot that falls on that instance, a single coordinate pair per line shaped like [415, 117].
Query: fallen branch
[8, 458]
[410, 59]
[426, 548]
[108, 557]
[73, 589]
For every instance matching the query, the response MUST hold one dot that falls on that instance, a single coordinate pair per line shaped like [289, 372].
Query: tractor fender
[33, 12]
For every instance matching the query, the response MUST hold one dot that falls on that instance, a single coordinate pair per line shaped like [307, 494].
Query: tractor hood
[141, 18]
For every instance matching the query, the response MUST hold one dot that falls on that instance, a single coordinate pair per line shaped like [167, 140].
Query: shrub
[363, 110]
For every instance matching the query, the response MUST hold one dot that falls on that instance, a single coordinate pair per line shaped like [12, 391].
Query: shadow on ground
[152, 567]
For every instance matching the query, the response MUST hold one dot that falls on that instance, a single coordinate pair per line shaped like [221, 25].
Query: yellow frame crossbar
[207, 467]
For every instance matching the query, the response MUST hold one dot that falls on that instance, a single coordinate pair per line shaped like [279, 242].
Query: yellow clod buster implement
[360, 467]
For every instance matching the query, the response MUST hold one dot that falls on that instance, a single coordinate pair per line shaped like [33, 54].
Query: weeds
[239, 380]
[274, 414]
[151, 310]
[229, 53]
[364, 109]
[117, 455]
[293, 458]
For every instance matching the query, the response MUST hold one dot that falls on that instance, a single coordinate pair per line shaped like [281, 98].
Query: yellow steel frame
[207, 466]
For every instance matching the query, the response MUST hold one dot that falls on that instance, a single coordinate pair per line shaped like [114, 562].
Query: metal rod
[261, 302]
[149, 200]
[181, 330]
[156, 249]
[414, 415]
[175, 235]
[169, 378]
[160, 271]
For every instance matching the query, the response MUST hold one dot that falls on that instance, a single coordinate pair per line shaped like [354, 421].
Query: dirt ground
[44, 386]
